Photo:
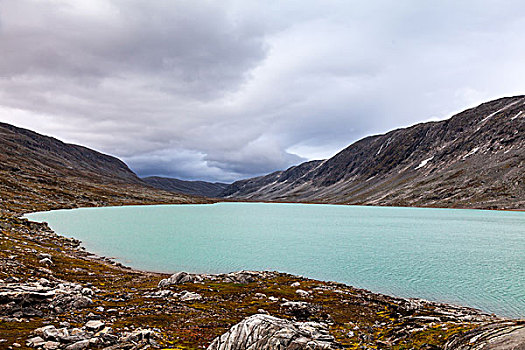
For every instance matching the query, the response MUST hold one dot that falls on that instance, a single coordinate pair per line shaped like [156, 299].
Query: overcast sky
[223, 90]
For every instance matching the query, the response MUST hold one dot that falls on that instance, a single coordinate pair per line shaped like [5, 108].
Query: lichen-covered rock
[178, 278]
[508, 335]
[33, 299]
[137, 336]
[267, 332]
[94, 334]
[302, 293]
[95, 325]
[189, 296]
[83, 344]
[241, 277]
[301, 310]
[36, 341]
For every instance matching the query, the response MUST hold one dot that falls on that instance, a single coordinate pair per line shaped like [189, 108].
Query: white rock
[44, 330]
[95, 325]
[189, 296]
[46, 261]
[79, 345]
[164, 283]
[302, 293]
[35, 342]
[264, 332]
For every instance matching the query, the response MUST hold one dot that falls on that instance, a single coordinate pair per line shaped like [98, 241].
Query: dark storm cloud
[229, 89]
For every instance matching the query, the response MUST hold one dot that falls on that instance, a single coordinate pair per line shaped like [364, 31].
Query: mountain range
[474, 159]
[198, 188]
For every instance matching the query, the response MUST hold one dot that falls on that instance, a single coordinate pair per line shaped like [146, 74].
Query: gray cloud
[230, 89]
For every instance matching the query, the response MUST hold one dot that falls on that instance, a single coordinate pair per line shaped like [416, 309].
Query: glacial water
[467, 257]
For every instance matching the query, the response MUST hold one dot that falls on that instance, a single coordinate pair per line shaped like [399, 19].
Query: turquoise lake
[468, 257]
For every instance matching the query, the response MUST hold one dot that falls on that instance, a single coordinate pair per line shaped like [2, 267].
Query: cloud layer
[231, 89]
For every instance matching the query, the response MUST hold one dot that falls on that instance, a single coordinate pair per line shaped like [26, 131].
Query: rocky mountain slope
[25, 150]
[475, 159]
[40, 172]
[196, 188]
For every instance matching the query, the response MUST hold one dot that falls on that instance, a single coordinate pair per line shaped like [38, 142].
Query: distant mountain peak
[196, 188]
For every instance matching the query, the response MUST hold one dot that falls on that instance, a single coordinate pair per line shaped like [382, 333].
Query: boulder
[241, 277]
[35, 342]
[177, 278]
[508, 335]
[189, 296]
[302, 293]
[266, 332]
[164, 283]
[40, 298]
[95, 326]
[79, 345]
[81, 302]
[181, 277]
[299, 309]
[138, 335]
[46, 261]
[45, 331]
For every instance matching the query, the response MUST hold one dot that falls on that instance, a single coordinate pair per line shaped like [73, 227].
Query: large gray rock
[301, 310]
[241, 277]
[35, 342]
[181, 277]
[79, 345]
[95, 325]
[267, 332]
[189, 296]
[37, 299]
[508, 335]
[178, 278]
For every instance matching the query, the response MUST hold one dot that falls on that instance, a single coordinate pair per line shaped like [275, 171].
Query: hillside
[474, 159]
[196, 188]
[40, 172]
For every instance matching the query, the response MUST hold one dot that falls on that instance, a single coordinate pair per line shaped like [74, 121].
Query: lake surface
[467, 257]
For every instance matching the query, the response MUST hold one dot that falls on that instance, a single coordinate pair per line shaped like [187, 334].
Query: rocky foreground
[55, 295]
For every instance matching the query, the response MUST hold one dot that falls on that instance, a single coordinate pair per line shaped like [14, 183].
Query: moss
[17, 332]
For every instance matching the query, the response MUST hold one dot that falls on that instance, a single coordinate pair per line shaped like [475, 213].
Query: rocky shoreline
[55, 295]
